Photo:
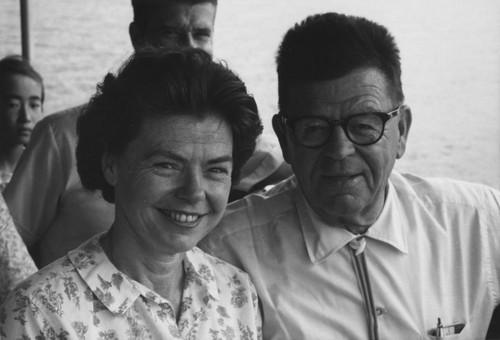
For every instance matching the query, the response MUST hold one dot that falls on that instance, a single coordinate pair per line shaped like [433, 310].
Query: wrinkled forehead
[364, 85]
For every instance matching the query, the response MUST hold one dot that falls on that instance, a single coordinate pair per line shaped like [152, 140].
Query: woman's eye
[164, 165]
[11, 104]
[220, 170]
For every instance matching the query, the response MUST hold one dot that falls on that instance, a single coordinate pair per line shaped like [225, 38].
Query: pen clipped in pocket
[443, 331]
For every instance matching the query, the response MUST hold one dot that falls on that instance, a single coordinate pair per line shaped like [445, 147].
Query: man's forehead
[360, 83]
[160, 3]
[199, 14]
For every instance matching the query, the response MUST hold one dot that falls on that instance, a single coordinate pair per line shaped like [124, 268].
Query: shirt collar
[391, 227]
[322, 239]
[199, 273]
[113, 288]
[199, 284]
[117, 292]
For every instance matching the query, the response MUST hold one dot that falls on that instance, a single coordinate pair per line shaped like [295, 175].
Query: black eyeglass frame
[384, 116]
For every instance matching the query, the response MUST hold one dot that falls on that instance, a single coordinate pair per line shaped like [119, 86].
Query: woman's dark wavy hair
[154, 83]
[331, 45]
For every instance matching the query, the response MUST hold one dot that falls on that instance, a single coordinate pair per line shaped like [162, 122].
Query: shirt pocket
[461, 327]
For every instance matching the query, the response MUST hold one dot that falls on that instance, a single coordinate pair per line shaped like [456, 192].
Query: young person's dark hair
[16, 64]
[157, 83]
[331, 45]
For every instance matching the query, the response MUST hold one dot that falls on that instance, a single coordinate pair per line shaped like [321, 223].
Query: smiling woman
[163, 140]
[171, 184]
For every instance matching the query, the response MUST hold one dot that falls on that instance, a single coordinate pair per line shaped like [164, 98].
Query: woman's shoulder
[49, 282]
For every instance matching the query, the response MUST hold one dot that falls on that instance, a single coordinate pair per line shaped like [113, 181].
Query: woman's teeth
[183, 217]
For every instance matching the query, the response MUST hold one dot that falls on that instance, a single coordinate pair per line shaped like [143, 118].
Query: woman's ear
[404, 125]
[108, 164]
[280, 131]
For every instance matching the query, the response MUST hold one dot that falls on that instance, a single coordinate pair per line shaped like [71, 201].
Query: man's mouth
[344, 179]
[343, 176]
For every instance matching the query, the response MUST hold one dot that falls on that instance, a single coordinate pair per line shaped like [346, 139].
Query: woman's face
[172, 182]
[20, 108]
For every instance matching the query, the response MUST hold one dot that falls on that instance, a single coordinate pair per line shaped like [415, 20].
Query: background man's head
[173, 23]
[342, 121]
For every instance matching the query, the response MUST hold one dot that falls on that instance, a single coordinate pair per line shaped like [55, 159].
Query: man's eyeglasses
[361, 128]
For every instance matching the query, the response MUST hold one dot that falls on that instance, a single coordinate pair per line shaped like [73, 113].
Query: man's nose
[339, 146]
[191, 188]
[188, 40]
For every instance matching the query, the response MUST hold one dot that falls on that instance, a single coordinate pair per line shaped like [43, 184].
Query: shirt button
[380, 311]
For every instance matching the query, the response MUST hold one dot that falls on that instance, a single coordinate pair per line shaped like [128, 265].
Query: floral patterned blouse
[4, 179]
[84, 296]
[15, 262]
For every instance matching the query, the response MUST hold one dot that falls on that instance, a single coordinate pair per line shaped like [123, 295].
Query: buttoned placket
[357, 248]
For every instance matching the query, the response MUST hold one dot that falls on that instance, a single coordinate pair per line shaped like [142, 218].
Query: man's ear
[279, 128]
[108, 164]
[404, 125]
[136, 36]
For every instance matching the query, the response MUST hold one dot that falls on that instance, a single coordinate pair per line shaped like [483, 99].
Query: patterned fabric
[4, 179]
[84, 296]
[434, 252]
[15, 262]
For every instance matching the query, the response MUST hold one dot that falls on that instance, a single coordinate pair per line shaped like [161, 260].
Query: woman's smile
[182, 218]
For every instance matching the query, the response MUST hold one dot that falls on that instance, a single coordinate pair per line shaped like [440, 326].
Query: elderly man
[50, 208]
[349, 248]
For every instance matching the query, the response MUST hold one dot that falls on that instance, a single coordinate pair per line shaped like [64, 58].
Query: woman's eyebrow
[221, 159]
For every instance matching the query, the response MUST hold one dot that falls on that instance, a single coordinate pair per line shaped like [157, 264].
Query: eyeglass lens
[361, 129]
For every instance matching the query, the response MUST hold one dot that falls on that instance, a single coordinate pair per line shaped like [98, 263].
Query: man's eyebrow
[168, 26]
[203, 28]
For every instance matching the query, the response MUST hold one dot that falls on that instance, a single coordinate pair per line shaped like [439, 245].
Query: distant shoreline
[451, 64]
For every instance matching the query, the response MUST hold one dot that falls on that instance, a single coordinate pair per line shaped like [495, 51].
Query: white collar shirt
[434, 252]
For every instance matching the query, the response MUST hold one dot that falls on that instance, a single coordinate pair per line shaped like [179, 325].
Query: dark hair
[331, 45]
[159, 83]
[15, 64]
[143, 8]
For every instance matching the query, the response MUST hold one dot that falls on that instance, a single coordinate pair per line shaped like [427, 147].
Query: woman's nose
[25, 114]
[192, 188]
